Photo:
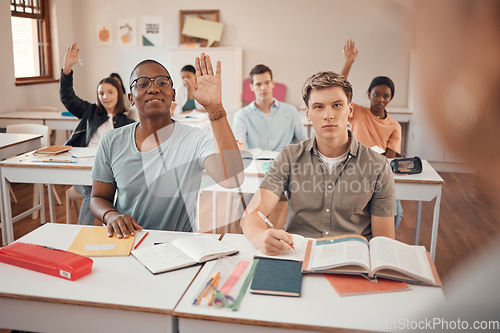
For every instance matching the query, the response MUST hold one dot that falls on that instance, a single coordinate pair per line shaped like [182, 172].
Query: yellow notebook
[94, 242]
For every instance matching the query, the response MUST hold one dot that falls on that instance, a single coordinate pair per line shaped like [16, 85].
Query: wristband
[104, 215]
[217, 115]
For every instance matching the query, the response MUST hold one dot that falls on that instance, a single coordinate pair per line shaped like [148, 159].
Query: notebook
[277, 277]
[182, 252]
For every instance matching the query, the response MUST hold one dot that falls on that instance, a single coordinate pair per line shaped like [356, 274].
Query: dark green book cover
[277, 277]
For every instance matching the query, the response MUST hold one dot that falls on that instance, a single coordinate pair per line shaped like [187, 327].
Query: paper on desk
[83, 152]
[377, 149]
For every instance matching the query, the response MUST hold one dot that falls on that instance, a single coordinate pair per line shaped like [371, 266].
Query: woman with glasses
[95, 118]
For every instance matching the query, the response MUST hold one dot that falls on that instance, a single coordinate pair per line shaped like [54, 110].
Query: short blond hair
[326, 80]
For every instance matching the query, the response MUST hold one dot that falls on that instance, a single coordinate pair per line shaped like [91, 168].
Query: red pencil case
[46, 260]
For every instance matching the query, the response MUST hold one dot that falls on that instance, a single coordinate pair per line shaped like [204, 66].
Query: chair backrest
[248, 96]
[42, 108]
[31, 129]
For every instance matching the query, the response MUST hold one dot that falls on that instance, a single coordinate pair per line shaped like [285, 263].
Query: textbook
[381, 257]
[182, 252]
[94, 242]
[277, 277]
[259, 154]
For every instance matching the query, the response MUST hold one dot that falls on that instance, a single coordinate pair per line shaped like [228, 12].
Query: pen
[205, 290]
[57, 161]
[139, 242]
[272, 226]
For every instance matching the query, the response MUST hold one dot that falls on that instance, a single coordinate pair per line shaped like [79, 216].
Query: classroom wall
[294, 38]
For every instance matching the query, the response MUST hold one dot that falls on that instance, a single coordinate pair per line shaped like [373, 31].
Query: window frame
[46, 45]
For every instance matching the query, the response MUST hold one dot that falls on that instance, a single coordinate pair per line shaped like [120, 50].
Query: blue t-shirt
[158, 188]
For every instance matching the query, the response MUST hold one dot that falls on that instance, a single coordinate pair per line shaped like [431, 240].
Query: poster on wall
[127, 31]
[104, 35]
[152, 34]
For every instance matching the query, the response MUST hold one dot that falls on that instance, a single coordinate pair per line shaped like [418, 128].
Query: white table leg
[417, 226]
[9, 228]
[52, 210]
[41, 200]
[2, 215]
[435, 226]
[214, 211]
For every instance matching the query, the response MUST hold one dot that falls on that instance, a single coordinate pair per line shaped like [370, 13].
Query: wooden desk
[425, 186]
[54, 120]
[318, 309]
[12, 145]
[120, 295]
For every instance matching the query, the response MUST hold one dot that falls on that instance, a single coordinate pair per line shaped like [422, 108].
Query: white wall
[294, 38]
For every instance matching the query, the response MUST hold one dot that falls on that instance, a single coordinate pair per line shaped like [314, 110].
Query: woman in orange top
[373, 126]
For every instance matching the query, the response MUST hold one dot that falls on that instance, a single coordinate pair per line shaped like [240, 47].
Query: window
[31, 41]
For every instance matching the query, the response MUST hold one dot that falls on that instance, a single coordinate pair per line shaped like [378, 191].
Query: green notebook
[277, 277]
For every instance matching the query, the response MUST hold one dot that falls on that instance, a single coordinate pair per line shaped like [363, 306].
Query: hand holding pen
[280, 234]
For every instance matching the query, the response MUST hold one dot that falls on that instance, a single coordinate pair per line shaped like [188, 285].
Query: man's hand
[350, 52]
[275, 242]
[121, 224]
[207, 89]
[70, 58]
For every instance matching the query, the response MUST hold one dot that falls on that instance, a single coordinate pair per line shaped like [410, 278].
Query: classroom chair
[72, 197]
[44, 131]
[248, 96]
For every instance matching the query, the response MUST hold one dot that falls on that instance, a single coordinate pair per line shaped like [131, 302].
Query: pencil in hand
[272, 226]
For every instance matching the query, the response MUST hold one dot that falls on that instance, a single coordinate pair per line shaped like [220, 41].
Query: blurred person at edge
[458, 45]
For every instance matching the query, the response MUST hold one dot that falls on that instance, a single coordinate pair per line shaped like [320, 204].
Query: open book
[382, 256]
[182, 252]
[259, 154]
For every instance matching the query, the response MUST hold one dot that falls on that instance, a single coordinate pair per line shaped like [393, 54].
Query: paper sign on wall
[104, 37]
[210, 30]
[152, 34]
[127, 31]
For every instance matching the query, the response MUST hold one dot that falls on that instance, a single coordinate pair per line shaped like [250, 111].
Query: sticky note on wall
[199, 28]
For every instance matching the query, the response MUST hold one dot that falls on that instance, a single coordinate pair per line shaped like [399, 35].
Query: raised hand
[207, 89]
[70, 58]
[350, 51]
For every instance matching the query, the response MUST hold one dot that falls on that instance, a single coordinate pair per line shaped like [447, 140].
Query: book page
[202, 248]
[338, 252]
[409, 259]
[162, 257]
[297, 254]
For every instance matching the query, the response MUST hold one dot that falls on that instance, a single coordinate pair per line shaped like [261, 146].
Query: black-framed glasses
[144, 82]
